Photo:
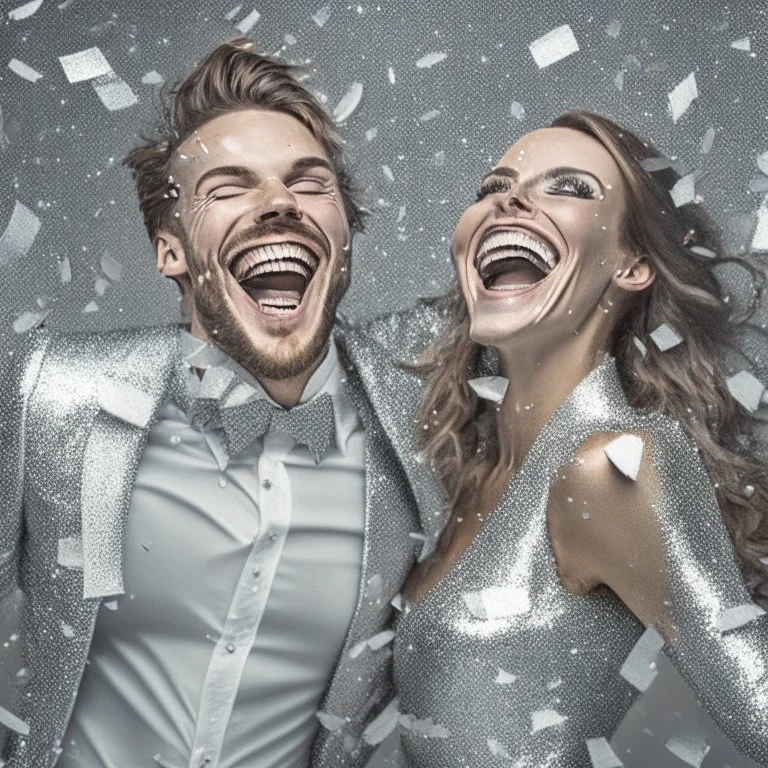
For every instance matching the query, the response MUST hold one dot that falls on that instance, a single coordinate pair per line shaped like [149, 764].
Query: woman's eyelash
[573, 185]
[492, 186]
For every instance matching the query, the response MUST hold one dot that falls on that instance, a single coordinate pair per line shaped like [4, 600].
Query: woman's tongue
[276, 289]
[513, 273]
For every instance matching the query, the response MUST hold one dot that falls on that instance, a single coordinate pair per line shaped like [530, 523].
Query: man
[209, 526]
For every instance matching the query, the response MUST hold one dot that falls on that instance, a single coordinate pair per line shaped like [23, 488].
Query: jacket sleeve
[18, 381]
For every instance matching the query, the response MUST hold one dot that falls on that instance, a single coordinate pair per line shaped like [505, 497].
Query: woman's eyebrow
[550, 173]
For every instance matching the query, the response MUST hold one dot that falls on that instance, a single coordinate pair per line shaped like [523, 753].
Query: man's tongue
[284, 289]
[512, 272]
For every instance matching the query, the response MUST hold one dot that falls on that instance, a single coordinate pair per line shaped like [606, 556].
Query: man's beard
[226, 330]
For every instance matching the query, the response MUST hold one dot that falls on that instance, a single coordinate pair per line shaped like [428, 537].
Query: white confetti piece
[232, 14]
[67, 630]
[398, 602]
[115, 93]
[111, 267]
[504, 678]
[19, 234]
[391, 75]
[401, 214]
[245, 25]
[330, 722]
[690, 748]
[70, 554]
[760, 236]
[682, 96]
[762, 162]
[554, 46]
[90, 308]
[374, 643]
[653, 164]
[733, 618]
[125, 401]
[517, 110]
[742, 44]
[85, 65]
[153, 77]
[431, 115]
[371, 133]
[497, 749]
[439, 158]
[746, 390]
[348, 103]
[111, 605]
[491, 388]
[641, 348]
[613, 29]
[321, 16]
[9, 720]
[387, 171]
[25, 11]
[100, 285]
[665, 337]
[383, 724]
[428, 61]
[545, 718]
[700, 250]
[497, 602]
[24, 70]
[27, 320]
[707, 141]
[684, 191]
[602, 755]
[639, 668]
[426, 727]
[65, 271]
[618, 81]
[626, 453]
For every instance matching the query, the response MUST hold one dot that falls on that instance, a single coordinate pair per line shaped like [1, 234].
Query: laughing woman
[609, 496]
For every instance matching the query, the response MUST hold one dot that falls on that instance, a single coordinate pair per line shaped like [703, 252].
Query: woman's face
[538, 250]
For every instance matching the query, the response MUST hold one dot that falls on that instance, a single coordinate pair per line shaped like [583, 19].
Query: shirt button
[257, 572]
[266, 484]
[273, 536]
[231, 648]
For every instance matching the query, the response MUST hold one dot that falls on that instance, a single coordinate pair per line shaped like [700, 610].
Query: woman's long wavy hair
[687, 382]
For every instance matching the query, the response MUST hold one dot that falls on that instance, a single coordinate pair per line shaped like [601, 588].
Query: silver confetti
[736, 617]
[383, 724]
[504, 678]
[25, 11]
[85, 65]
[330, 722]
[762, 162]
[426, 727]
[231, 15]
[492, 388]
[391, 75]
[19, 234]
[65, 270]
[682, 96]
[613, 29]
[27, 320]
[639, 668]
[746, 390]
[348, 103]
[245, 25]
[498, 749]
[690, 748]
[24, 70]
[111, 267]
[742, 44]
[497, 602]
[321, 16]
[684, 191]
[545, 718]
[9, 720]
[115, 93]
[665, 337]
[618, 81]
[387, 171]
[626, 453]
[602, 755]
[707, 141]
[428, 61]
[760, 236]
[652, 164]
[430, 115]
[90, 308]
[700, 250]
[67, 630]
[153, 77]
[371, 133]
[70, 553]
[517, 110]
[640, 347]
[554, 46]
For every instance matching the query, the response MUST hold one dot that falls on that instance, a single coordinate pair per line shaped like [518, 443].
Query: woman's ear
[170, 257]
[637, 276]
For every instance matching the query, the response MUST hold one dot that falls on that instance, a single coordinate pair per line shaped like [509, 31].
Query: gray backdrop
[421, 137]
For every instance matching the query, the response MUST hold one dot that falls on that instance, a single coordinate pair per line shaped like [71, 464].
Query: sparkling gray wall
[421, 137]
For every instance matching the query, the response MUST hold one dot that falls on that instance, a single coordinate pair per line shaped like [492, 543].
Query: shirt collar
[220, 369]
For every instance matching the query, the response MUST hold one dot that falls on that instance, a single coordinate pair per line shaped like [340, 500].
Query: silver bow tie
[311, 424]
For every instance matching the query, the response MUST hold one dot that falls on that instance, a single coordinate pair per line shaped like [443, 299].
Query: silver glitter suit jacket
[76, 412]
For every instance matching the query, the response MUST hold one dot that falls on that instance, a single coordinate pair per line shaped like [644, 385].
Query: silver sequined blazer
[75, 414]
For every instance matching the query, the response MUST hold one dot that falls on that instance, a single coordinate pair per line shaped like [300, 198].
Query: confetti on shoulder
[554, 46]
[626, 453]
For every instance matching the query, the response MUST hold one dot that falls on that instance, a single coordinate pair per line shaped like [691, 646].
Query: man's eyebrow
[240, 171]
[305, 163]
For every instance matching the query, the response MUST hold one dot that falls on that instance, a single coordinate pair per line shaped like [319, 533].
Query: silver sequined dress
[506, 667]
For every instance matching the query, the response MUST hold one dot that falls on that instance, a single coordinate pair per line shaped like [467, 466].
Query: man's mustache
[246, 237]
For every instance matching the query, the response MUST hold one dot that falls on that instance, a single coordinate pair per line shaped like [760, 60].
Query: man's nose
[277, 201]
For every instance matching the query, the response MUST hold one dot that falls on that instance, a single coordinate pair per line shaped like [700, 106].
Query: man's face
[265, 239]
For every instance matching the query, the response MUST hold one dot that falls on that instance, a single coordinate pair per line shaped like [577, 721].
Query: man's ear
[170, 256]
[637, 276]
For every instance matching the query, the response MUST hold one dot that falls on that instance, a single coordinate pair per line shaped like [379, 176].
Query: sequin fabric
[509, 668]
[56, 414]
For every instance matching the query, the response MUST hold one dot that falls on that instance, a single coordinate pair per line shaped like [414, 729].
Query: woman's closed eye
[575, 186]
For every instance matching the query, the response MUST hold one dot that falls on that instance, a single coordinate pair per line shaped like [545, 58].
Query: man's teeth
[276, 305]
[511, 243]
[277, 257]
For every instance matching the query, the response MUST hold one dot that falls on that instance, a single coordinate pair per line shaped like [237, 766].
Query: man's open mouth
[509, 260]
[276, 276]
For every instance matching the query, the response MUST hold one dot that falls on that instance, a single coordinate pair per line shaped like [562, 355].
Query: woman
[609, 492]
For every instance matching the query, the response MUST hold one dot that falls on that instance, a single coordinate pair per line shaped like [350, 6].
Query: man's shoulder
[403, 334]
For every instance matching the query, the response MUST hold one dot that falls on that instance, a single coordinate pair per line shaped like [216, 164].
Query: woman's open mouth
[511, 260]
[276, 276]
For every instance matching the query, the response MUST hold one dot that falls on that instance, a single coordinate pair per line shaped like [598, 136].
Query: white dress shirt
[241, 577]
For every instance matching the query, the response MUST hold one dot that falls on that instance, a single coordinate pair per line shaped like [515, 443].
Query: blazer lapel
[127, 397]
